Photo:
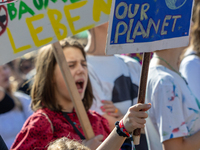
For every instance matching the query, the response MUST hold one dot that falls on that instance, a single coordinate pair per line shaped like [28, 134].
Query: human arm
[133, 119]
[111, 113]
[191, 143]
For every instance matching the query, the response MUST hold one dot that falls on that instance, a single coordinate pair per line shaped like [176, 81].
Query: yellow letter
[163, 32]
[136, 32]
[71, 19]
[150, 23]
[128, 40]
[117, 30]
[136, 8]
[56, 23]
[175, 19]
[34, 31]
[143, 11]
[100, 6]
[12, 42]
[121, 4]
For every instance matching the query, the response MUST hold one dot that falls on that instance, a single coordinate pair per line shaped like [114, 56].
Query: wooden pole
[72, 89]
[142, 90]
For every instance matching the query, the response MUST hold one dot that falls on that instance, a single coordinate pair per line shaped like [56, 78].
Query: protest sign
[3, 2]
[148, 25]
[27, 25]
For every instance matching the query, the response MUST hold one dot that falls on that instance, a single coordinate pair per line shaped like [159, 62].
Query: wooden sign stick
[73, 92]
[142, 90]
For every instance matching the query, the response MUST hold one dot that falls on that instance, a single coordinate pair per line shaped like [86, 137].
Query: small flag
[3, 2]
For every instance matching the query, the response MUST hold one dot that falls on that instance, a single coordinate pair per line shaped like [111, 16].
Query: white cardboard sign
[27, 25]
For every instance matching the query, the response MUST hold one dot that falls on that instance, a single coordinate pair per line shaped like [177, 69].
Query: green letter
[38, 6]
[74, 1]
[12, 11]
[23, 8]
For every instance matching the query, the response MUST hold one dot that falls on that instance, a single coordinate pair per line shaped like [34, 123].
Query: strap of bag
[71, 122]
[48, 120]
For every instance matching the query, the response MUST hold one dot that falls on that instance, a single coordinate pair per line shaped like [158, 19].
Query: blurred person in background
[115, 80]
[14, 108]
[173, 122]
[21, 72]
[190, 64]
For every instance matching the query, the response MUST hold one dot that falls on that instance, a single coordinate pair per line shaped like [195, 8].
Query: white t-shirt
[115, 78]
[190, 70]
[11, 122]
[175, 110]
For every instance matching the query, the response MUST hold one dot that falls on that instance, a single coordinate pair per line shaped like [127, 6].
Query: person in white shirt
[115, 80]
[174, 120]
[190, 64]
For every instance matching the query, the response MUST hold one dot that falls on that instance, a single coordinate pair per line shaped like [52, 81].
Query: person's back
[117, 78]
[174, 118]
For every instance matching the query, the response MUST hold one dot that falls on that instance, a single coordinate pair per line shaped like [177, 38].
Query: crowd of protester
[36, 110]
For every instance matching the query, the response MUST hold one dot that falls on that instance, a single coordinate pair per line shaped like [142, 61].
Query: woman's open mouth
[80, 85]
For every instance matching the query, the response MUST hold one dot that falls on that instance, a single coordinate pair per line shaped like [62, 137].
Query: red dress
[37, 133]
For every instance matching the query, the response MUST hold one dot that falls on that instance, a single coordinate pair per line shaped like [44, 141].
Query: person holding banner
[173, 122]
[55, 115]
[115, 80]
[129, 122]
[190, 64]
[14, 108]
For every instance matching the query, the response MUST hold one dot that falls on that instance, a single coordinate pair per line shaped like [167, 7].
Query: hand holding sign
[146, 26]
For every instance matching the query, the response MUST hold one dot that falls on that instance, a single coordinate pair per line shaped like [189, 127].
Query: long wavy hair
[42, 92]
[195, 30]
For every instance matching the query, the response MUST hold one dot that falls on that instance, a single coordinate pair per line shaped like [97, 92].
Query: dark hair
[42, 92]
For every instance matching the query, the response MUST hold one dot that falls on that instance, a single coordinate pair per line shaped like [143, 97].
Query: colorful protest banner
[148, 25]
[3, 2]
[28, 25]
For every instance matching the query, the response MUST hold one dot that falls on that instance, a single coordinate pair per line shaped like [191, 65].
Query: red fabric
[36, 133]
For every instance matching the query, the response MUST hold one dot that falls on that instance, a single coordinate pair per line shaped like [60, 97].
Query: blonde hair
[66, 144]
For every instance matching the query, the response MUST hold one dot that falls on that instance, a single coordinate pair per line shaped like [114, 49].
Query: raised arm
[133, 119]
